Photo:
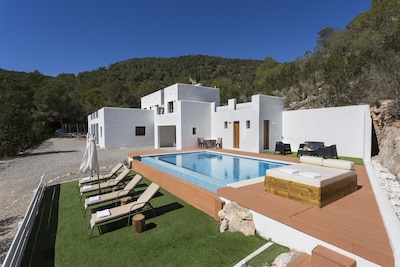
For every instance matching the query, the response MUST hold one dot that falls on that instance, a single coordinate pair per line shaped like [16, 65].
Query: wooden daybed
[316, 181]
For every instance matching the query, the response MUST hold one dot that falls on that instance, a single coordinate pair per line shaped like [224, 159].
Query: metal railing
[17, 248]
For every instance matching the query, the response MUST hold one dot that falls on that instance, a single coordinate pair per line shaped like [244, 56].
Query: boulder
[285, 258]
[247, 228]
[235, 218]
[224, 226]
[282, 260]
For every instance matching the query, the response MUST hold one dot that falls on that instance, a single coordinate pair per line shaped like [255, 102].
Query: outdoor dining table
[210, 143]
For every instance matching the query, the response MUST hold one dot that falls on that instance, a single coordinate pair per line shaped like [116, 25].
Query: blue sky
[72, 36]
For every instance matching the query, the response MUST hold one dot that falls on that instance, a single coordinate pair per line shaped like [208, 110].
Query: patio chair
[105, 216]
[282, 148]
[95, 179]
[218, 144]
[329, 152]
[201, 141]
[115, 195]
[104, 185]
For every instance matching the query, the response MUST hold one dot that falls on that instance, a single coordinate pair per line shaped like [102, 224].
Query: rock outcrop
[285, 258]
[388, 136]
[235, 218]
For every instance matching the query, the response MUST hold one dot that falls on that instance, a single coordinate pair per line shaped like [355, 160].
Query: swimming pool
[210, 170]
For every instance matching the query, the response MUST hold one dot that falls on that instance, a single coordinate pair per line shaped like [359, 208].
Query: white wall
[259, 109]
[96, 126]
[117, 127]
[194, 115]
[270, 109]
[165, 120]
[152, 100]
[191, 104]
[348, 127]
[170, 95]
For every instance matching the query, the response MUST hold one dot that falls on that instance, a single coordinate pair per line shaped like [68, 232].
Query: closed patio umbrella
[85, 160]
[90, 161]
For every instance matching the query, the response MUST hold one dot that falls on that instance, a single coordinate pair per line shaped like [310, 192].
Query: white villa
[178, 115]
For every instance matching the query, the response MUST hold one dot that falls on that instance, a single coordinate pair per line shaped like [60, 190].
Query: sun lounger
[108, 184]
[115, 195]
[95, 179]
[127, 210]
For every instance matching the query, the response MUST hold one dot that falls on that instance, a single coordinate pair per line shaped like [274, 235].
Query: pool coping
[202, 179]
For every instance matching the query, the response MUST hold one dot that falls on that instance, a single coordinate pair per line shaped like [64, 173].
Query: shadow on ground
[40, 249]
[126, 221]
[47, 153]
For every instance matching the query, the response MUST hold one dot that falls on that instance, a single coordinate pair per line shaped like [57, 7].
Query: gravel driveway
[59, 160]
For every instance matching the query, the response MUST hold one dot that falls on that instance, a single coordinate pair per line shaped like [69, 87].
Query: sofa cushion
[311, 160]
[338, 164]
[313, 145]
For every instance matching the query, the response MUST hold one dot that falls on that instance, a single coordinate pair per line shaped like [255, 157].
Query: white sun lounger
[108, 184]
[115, 195]
[127, 210]
[95, 179]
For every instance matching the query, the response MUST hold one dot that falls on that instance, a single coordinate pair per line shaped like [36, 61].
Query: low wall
[196, 196]
[348, 127]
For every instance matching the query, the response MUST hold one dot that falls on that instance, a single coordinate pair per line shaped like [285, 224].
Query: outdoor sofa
[315, 181]
[316, 148]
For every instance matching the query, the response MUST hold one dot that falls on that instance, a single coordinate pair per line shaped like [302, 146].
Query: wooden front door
[236, 134]
[266, 134]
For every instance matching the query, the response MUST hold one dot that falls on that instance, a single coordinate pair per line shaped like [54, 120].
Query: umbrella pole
[98, 181]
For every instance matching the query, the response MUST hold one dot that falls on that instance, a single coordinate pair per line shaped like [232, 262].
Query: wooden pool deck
[352, 223]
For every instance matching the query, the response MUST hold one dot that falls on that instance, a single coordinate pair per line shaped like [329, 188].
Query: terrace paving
[352, 223]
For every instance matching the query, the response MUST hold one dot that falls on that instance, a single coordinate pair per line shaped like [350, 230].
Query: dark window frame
[140, 130]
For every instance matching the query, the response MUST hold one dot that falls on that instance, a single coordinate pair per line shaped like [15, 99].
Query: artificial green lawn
[180, 235]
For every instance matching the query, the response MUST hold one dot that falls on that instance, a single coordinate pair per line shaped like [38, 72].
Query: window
[170, 107]
[194, 130]
[248, 124]
[160, 110]
[140, 130]
[226, 125]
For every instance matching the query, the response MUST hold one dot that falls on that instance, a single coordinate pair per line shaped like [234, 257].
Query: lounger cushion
[125, 210]
[311, 160]
[115, 194]
[107, 184]
[338, 164]
[321, 176]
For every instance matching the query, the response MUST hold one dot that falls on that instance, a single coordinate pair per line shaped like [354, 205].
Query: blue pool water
[210, 170]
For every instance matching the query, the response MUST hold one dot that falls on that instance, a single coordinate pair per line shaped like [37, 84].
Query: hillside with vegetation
[356, 65]
[359, 64]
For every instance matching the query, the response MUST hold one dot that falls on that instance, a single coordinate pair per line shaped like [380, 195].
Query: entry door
[266, 134]
[236, 134]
